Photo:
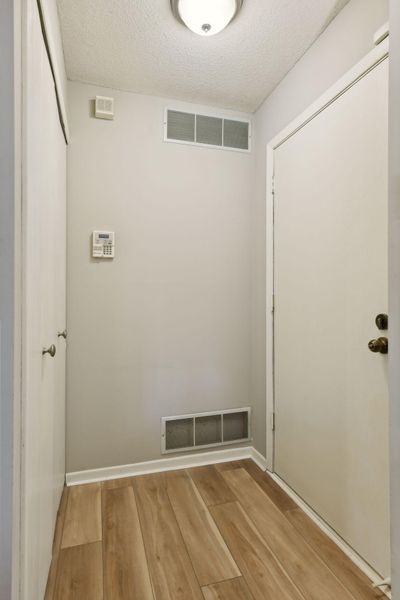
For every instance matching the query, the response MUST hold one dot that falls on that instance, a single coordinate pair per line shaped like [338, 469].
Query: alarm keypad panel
[103, 244]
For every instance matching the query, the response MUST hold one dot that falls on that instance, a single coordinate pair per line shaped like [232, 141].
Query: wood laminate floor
[222, 532]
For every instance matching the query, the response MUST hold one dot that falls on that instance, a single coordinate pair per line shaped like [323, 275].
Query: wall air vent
[205, 430]
[236, 134]
[207, 130]
[181, 126]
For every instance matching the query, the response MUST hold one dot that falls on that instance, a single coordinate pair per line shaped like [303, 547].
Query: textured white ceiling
[137, 45]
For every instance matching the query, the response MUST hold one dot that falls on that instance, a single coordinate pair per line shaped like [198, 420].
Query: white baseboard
[166, 464]
[348, 550]
[259, 459]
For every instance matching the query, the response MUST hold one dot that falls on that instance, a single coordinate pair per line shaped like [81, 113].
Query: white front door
[44, 229]
[331, 281]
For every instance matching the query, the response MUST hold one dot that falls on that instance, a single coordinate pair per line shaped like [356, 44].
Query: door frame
[10, 296]
[362, 68]
[394, 290]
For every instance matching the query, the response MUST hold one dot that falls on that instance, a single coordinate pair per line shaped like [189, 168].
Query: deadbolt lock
[379, 345]
[382, 321]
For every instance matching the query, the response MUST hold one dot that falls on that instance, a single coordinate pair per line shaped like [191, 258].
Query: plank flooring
[169, 564]
[227, 590]
[208, 552]
[300, 562]
[354, 579]
[125, 566]
[79, 573]
[82, 523]
[223, 532]
[211, 485]
[51, 581]
[265, 576]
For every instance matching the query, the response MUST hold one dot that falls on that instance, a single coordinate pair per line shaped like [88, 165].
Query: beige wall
[347, 39]
[164, 328]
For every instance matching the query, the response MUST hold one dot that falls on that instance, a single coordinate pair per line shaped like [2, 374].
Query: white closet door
[331, 280]
[44, 313]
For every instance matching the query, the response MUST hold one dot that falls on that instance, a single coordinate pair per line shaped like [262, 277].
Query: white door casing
[331, 444]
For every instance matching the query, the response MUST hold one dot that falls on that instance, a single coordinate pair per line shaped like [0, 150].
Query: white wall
[394, 288]
[347, 39]
[164, 328]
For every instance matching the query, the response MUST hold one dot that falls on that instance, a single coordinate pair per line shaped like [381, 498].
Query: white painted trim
[10, 296]
[270, 408]
[166, 464]
[55, 68]
[369, 62]
[331, 533]
[362, 68]
[259, 459]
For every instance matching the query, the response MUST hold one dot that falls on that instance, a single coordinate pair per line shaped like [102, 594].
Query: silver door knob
[62, 334]
[51, 350]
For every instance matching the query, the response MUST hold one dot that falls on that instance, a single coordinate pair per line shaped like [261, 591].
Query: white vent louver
[205, 430]
[206, 130]
[104, 107]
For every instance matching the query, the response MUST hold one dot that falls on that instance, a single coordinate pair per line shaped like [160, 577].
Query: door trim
[49, 42]
[10, 297]
[362, 68]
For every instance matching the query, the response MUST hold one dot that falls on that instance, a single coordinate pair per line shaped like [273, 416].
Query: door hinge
[273, 184]
[273, 303]
[272, 421]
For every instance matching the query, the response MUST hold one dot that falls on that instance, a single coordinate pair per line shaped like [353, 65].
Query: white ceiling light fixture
[206, 17]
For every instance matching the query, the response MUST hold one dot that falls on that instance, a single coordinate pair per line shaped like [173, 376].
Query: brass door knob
[62, 334]
[379, 345]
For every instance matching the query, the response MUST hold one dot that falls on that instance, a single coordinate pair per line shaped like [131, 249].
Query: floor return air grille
[205, 430]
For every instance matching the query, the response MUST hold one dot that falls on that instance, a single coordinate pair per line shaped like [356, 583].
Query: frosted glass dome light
[206, 17]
